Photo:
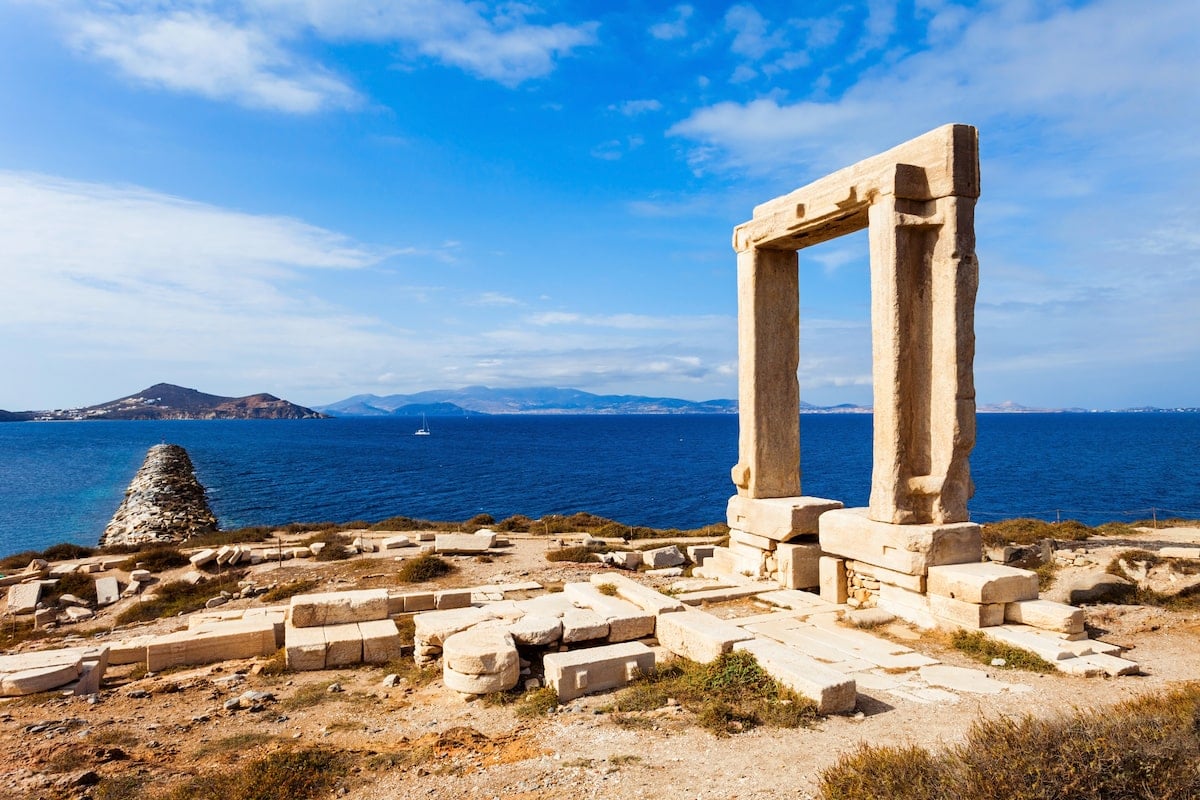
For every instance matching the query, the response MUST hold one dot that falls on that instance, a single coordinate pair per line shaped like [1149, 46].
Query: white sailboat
[424, 429]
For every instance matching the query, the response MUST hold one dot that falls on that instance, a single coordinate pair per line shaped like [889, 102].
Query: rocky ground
[416, 739]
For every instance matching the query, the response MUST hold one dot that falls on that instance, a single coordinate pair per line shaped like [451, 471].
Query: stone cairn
[164, 502]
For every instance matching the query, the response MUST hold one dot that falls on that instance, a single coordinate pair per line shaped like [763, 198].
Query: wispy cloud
[258, 54]
[631, 108]
[676, 27]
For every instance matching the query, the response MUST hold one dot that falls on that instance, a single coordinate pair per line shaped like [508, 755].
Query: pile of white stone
[164, 502]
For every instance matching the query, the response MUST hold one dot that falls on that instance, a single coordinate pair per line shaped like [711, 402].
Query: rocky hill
[167, 401]
[528, 400]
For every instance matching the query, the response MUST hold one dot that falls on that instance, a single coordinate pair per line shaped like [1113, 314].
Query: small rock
[137, 693]
[334, 688]
[391, 680]
[998, 662]
[233, 704]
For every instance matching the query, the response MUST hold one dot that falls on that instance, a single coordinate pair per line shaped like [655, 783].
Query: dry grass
[423, 568]
[179, 597]
[1143, 749]
[306, 774]
[1187, 599]
[286, 590]
[978, 646]
[158, 558]
[578, 555]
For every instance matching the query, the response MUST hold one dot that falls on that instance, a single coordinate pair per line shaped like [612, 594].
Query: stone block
[983, 582]
[668, 556]
[107, 591]
[1045, 614]
[223, 554]
[343, 644]
[831, 573]
[909, 549]
[908, 605]
[725, 593]
[433, 627]
[697, 553]
[23, 597]
[129, 651]
[1179, 552]
[596, 669]
[78, 614]
[304, 648]
[965, 614]
[698, 635]
[462, 543]
[624, 559]
[914, 583]
[336, 608]
[241, 639]
[642, 596]
[483, 650]
[395, 543]
[480, 684]
[140, 576]
[420, 601]
[203, 557]
[799, 564]
[44, 617]
[751, 540]
[777, 518]
[583, 625]
[626, 621]
[536, 629]
[452, 598]
[39, 679]
[832, 691]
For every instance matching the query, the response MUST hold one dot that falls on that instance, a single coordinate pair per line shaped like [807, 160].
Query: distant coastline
[166, 401]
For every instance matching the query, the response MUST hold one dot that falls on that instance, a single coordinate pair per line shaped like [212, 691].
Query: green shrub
[978, 646]
[423, 568]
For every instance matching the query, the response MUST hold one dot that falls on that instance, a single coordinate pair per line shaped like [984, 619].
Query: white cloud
[676, 28]
[631, 108]
[255, 54]
[753, 37]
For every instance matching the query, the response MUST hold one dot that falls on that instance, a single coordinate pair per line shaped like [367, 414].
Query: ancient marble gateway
[917, 201]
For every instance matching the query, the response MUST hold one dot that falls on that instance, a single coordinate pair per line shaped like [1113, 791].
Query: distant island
[167, 401]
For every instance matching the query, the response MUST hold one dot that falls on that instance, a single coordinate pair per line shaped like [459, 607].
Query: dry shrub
[1142, 749]
[179, 597]
[159, 558]
[76, 583]
[580, 554]
[1023, 530]
[306, 774]
[423, 568]
[286, 590]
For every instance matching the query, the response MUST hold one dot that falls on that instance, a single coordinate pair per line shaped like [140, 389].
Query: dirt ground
[419, 740]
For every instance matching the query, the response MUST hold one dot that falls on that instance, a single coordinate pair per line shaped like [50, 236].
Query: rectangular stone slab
[218, 643]
[107, 591]
[338, 608]
[626, 621]
[1045, 614]
[380, 641]
[983, 582]
[699, 635]
[910, 549]
[595, 669]
[778, 518]
[799, 564]
[462, 543]
[963, 614]
[452, 598]
[832, 691]
[304, 648]
[23, 597]
[343, 644]
[583, 625]
[642, 596]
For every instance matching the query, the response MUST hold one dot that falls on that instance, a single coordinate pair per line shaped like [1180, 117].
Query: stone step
[832, 691]
[723, 595]
[983, 582]
[698, 635]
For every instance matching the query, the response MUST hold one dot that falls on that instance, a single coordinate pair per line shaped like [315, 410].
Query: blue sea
[62, 481]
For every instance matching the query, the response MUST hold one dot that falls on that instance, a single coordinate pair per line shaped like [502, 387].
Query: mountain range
[167, 401]
[474, 400]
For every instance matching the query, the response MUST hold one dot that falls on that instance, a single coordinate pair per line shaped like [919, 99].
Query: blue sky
[319, 198]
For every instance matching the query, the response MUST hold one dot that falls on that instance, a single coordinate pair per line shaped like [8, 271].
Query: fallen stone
[78, 614]
[642, 596]
[833, 692]
[1045, 614]
[335, 608]
[23, 597]
[395, 542]
[462, 543]
[596, 669]
[452, 598]
[107, 591]
[536, 629]
[697, 553]
[583, 625]
[242, 639]
[982, 582]
[626, 621]
[698, 635]
[666, 572]
[481, 684]
[1179, 552]
[482, 650]
[663, 557]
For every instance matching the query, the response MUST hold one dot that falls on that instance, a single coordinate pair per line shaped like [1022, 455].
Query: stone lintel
[941, 163]
[909, 549]
[777, 518]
